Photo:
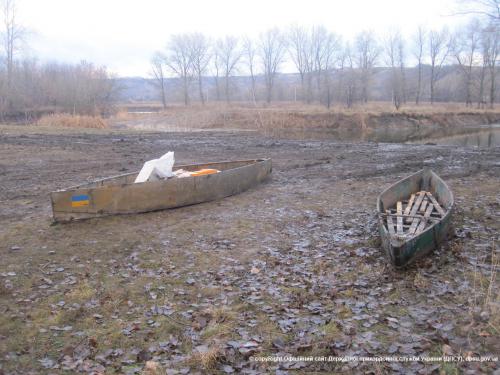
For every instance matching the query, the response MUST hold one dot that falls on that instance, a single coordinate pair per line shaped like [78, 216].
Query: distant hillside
[135, 89]
[288, 88]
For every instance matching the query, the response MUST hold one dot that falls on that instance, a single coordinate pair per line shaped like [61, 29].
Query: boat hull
[119, 195]
[403, 252]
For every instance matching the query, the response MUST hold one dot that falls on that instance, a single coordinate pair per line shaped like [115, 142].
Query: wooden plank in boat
[427, 215]
[423, 206]
[410, 216]
[390, 224]
[413, 226]
[418, 202]
[437, 206]
[408, 207]
[399, 219]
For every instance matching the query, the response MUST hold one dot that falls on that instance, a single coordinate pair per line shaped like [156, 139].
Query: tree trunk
[302, 86]
[163, 97]
[186, 94]
[217, 87]
[432, 85]
[468, 90]
[200, 87]
[492, 86]
[269, 86]
[227, 89]
[480, 99]
[419, 84]
[254, 98]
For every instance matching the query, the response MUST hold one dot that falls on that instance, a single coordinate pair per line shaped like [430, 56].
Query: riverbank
[374, 117]
[292, 267]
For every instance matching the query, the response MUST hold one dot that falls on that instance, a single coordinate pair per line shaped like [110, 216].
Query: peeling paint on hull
[119, 195]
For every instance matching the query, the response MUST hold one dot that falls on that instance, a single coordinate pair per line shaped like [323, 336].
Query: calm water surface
[480, 136]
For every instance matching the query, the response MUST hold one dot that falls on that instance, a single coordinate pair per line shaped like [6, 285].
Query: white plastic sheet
[155, 169]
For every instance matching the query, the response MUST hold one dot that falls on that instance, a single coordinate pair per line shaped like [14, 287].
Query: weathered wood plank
[427, 215]
[437, 206]
[418, 202]
[402, 250]
[409, 206]
[399, 219]
[413, 226]
[390, 224]
[410, 216]
[423, 206]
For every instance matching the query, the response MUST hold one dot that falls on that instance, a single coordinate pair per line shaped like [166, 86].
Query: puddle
[479, 136]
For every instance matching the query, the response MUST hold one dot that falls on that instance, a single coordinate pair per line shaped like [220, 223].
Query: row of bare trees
[332, 70]
[36, 88]
[28, 87]
[192, 56]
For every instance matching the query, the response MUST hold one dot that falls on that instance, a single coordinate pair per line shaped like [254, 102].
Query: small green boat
[414, 216]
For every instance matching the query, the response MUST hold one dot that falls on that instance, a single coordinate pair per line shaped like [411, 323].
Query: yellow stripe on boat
[79, 204]
[80, 200]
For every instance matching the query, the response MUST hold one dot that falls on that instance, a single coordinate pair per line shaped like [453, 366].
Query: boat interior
[413, 204]
[129, 178]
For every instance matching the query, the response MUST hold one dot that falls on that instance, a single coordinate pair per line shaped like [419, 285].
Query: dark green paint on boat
[403, 252]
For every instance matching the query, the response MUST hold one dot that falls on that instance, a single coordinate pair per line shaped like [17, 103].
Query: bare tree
[489, 9]
[250, 51]
[394, 51]
[200, 54]
[419, 46]
[272, 49]
[12, 38]
[78, 89]
[401, 51]
[490, 54]
[300, 51]
[465, 50]
[324, 45]
[482, 73]
[348, 76]
[228, 54]
[179, 59]
[367, 54]
[217, 69]
[439, 50]
[158, 73]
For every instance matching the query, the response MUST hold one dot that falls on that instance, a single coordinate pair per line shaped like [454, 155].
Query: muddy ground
[292, 267]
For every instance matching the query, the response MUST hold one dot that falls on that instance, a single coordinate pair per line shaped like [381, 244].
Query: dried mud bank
[292, 267]
[375, 121]
[277, 118]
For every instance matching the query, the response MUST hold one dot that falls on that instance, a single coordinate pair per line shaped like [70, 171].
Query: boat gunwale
[415, 237]
[83, 186]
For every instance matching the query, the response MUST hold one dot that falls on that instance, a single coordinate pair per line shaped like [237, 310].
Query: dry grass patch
[81, 293]
[207, 358]
[153, 368]
[72, 121]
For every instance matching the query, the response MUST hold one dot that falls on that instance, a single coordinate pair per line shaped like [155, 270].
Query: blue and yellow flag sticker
[80, 200]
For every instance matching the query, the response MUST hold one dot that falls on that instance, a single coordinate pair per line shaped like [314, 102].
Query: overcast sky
[123, 35]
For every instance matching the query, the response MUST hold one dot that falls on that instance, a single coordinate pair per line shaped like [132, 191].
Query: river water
[480, 136]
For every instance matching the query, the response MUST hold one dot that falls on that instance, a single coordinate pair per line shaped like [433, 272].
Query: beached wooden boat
[414, 216]
[120, 195]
